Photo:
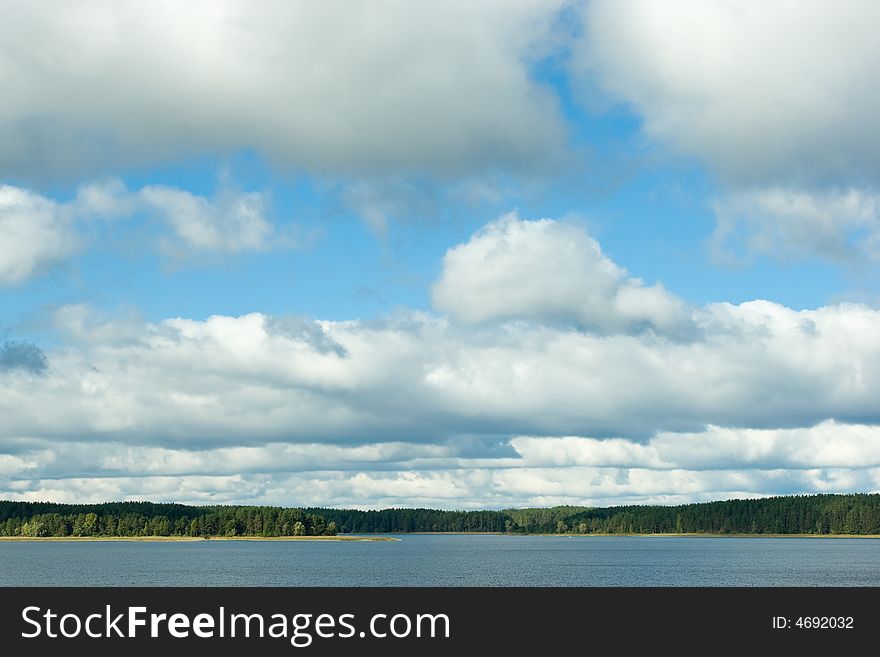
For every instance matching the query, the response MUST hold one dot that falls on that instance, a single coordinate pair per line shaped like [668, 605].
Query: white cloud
[37, 231]
[547, 270]
[420, 409]
[420, 378]
[782, 92]
[828, 444]
[779, 99]
[231, 222]
[107, 199]
[34, 233]
[837, 224]
[463, 485]
[245, 380]
[333, 87]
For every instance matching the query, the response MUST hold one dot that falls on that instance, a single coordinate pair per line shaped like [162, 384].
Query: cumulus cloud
[481, 371]
[837, 224]
[389, 86]
[778, 99]
[36, 233]
[242, 380]
[270, 410]
[717, 463]
[511, 407]
[779, 91]
[828, 444]
[548, 270]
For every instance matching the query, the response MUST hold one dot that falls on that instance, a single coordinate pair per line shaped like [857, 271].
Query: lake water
[451, 560]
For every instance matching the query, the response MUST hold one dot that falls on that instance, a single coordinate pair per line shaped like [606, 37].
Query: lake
[449, 560]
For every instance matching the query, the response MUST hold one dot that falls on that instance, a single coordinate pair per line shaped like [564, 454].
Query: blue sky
[654, 218]
[479, 255]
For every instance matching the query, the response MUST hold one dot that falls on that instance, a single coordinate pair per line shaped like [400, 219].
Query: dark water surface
[451, 560]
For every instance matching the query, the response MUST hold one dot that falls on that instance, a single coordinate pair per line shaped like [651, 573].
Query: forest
[807, 514]
[43, 519]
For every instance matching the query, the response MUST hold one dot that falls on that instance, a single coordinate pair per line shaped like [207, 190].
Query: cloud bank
[508, 405]
[672, 468]
[440, 87]
[545, 372]
[765, 96]
[421, 378]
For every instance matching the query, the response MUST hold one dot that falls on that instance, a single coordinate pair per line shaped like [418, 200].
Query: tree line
[43, 519]
[799, 514]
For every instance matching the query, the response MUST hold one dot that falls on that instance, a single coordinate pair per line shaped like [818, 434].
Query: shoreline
[188, 539]
[711, 535]
[654, 535]
[394, 537]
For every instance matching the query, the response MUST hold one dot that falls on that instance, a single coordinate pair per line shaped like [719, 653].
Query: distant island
[819, 515]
